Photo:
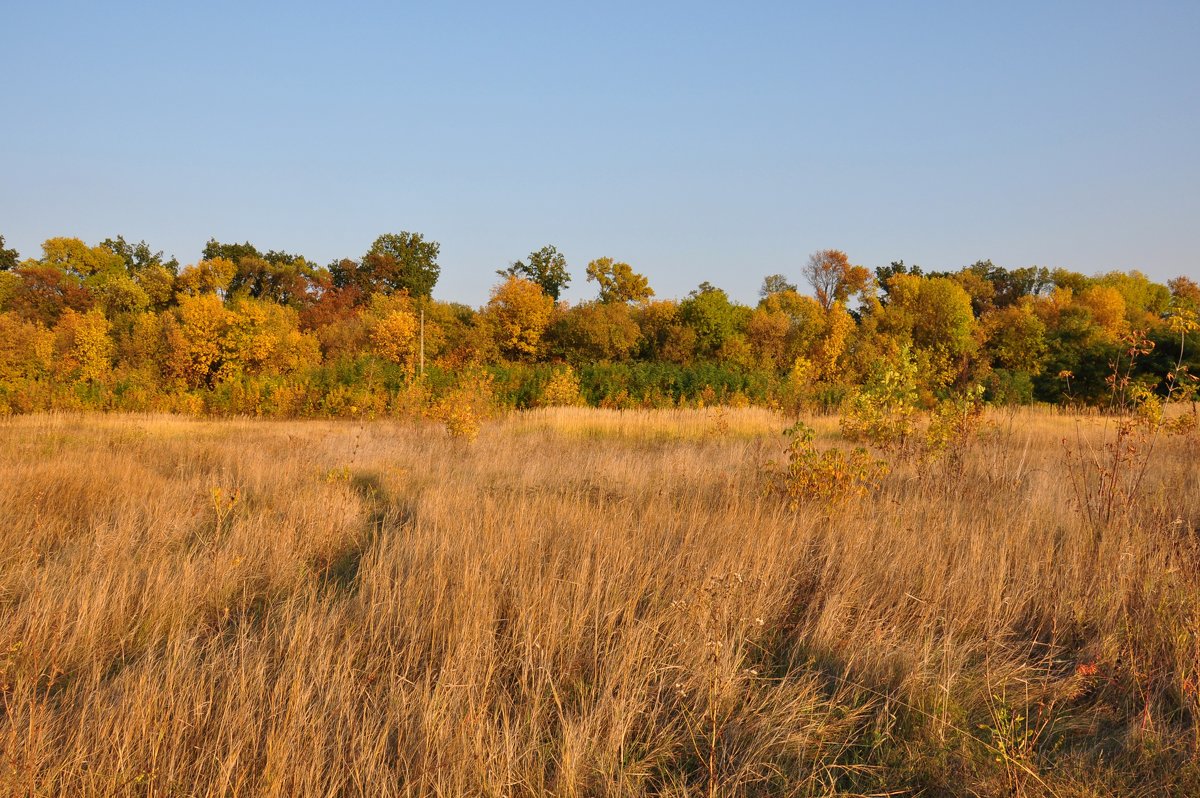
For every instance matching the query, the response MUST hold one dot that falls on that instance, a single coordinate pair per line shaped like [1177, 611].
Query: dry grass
[581, 603]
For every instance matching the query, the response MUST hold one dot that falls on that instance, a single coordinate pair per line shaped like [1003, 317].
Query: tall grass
[582, 603]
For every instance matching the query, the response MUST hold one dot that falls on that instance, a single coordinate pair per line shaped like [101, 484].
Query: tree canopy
[118, 324]
[547, 267]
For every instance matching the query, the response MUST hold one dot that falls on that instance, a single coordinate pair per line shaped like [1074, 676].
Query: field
[587, 603]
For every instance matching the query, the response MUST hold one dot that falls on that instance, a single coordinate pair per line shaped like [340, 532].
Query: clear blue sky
[718, 142]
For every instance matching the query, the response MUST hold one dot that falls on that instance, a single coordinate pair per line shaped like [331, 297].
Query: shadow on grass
[338, 570]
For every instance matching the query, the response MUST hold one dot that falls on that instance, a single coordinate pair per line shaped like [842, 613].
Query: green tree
[8, 257]
[280, 277]
[231, 252]
[547, 267]
[152, 277]
[138, 257]
[400, 262]
[932, 314]
[943, 317]
[775, 284]
[715, 319]
[287, 281]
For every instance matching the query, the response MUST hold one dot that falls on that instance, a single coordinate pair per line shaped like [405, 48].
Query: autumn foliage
[117, 326]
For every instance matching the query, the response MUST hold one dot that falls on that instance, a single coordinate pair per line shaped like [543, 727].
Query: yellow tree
[519, 312]
[828, 351]
[394, 329]
[193, 346]
[206, 277]
[934, 316]
[1107, 306]
[26, 349]
[83, 346]
[74, 257]
[618, 281]
[262, 337]
[766, 333]
[785, 326]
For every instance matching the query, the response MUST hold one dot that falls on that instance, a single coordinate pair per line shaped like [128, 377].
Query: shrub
[829, 476]
[884, 412]
[562, 390]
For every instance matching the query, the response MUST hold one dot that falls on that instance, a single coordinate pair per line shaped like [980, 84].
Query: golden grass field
[584, 603]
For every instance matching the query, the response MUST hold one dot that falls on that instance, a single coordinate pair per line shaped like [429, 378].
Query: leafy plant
[1108, 479]
[464, 407]
[884, 412]
[828, 476]
[562, 389]
[952, 423]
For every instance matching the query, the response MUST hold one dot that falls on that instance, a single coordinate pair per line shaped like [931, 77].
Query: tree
[785, 326]
[83, 347]
[151, 275]
[1016, 338]
[8, 257]
[833, 277]
[1145, 300]
[193, 332]
[287, 281]
[932, 314]
[618, 281]
[45, 291]
[593, 331]
[26, 349]
[519, 312]
[262, 337]
[715, 319]
[1107, 307]
[70, 274]
[766, 333]
[775, 284]
[547, 267]
[79, 260]
[942, 317]
[138, 257]
[206, 277]
[400, 262]
[1185, 293]
[158, 283]
[277, 276]
[829, 350]
[119, 293]
[885, 273]
[394, 332]
[230, 252]
[660, 332]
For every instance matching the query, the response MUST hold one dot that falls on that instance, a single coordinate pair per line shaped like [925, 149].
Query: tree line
[117, 325]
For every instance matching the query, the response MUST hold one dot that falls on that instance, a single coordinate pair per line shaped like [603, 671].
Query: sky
[696, 141]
